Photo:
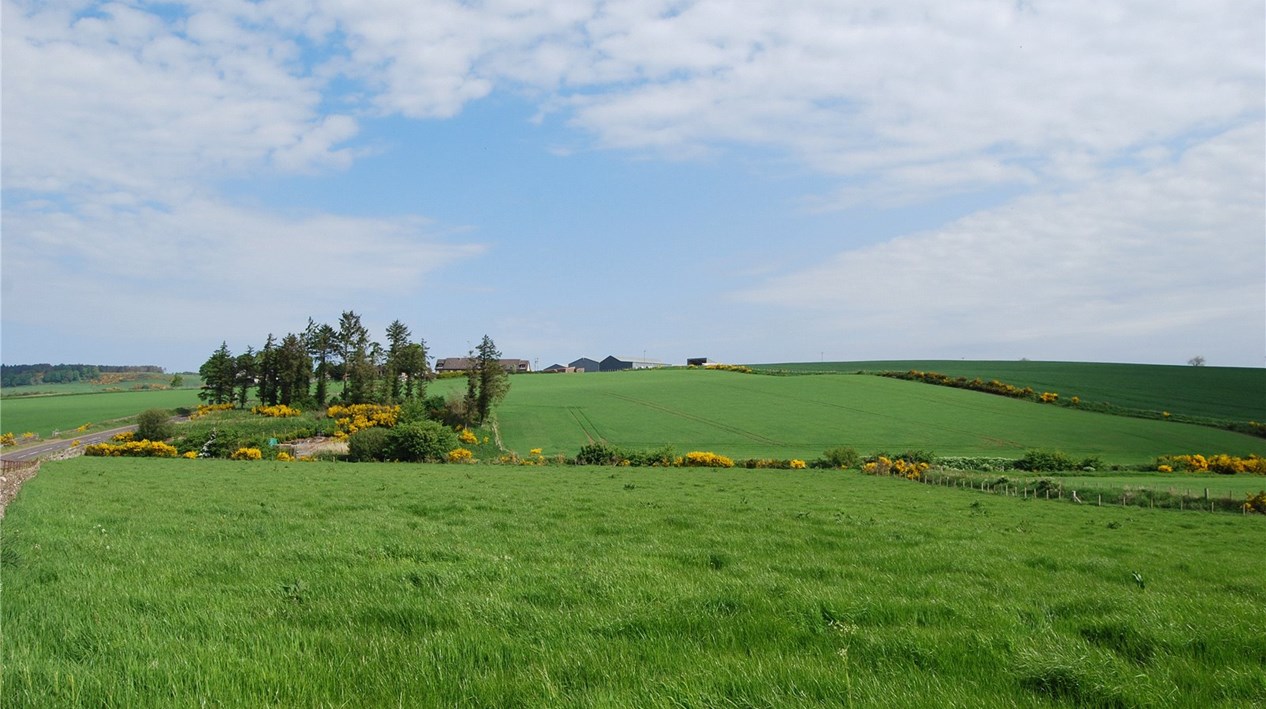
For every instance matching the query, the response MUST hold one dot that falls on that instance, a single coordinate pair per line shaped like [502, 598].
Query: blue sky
[795, 181]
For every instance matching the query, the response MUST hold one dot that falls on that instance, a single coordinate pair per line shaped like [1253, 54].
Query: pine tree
[320, 343]
[494, 382]
[217, 376]
[244, 372]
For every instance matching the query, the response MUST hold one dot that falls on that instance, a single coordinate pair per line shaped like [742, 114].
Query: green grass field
[146, 583]
[1236, 393]
[44, 414]
[761, 416]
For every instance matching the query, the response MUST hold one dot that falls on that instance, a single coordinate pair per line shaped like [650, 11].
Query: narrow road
[40, 450]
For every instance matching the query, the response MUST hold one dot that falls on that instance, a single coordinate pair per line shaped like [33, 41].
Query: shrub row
[132, 449]
[993, 386]
[1221, 463]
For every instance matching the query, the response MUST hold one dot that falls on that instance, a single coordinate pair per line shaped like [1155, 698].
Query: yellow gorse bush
[356, 417]
[123, 437]
[284, 457]
[467, 436]
[705, 459]
[189, 454]
[204, 409]
[797, 464]
[278, 411]
[899, 467]
[1220, 463]
[247, 454]
[8, 439]
[132, 449]
[460, 455]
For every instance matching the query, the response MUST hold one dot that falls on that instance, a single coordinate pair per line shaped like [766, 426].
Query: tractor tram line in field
[586, 425]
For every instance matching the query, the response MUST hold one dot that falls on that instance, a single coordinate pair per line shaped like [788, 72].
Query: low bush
[839, 457]
[599, 454]
[1036, 461]
[153, 425]
[421, 442]
[369, 444]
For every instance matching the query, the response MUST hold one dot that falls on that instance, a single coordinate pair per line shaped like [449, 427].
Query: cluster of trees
[16, 375]
[298, 370]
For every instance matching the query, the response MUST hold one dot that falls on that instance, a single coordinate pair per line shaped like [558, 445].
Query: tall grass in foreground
[183, 583]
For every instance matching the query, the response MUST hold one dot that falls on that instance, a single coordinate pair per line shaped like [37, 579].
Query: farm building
[560, 369]
[697, 362]
[461, 364]
[616, 364]
[584, 364]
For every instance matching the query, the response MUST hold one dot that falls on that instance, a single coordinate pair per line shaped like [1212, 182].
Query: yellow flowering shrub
[189, 454]
[204, 409]
[8, 439]
[1049, 397]
[1255, 503]
[247, 454]
[284, 457]
[467, 436]
[899, 467]
[706, 459]
[460, 455]
[278, 411]
[132, 449]
[1162, 468]
[1220, 463]
[797, 464]
[534, 451]
[350, 419]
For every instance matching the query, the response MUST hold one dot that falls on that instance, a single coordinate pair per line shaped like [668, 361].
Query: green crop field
[1236, 393]
[151, 583]
[45, 414]
[743, 415]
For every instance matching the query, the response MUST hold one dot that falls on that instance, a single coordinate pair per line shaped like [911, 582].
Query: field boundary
[12, 474]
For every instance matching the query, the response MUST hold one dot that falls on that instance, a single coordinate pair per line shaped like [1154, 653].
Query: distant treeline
[16, 375]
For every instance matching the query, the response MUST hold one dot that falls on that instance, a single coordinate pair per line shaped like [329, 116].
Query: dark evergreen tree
[244, 373]
[267, 372]
[320, 341]
[294, 371]
[397, 340]
[218, 376]
[494, 382]
[355, 349]
[413, 367]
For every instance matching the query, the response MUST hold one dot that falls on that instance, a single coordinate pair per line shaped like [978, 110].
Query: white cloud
[121, 99]
[233, 269]
[1172, 259]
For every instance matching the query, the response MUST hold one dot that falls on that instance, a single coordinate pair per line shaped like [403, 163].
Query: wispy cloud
[1171, 260]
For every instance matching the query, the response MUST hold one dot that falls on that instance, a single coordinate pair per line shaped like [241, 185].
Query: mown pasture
[743, 415]
[43, 415]
[175, 583]
[1235, 393]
